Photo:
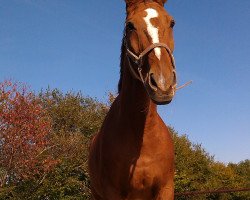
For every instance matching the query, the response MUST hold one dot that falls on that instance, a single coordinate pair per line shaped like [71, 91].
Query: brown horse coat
[132, 156]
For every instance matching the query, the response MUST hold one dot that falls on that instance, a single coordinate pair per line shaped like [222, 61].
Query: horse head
[149, 43]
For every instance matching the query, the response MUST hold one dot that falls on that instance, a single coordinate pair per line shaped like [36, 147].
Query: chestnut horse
[132, 157]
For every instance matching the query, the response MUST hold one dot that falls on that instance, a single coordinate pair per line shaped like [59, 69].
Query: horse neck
[135, 104]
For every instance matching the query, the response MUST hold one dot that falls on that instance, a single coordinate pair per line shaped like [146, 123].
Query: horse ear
[131, 2]
[162, 2]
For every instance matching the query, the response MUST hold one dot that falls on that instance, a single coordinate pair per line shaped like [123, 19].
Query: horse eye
[172, 23]
[130, 26]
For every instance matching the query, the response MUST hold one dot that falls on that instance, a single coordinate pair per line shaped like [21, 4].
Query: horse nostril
[152, 82]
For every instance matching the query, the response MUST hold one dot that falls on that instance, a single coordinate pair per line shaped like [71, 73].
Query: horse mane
[122, 56]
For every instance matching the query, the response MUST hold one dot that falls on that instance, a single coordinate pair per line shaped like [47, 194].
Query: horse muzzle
[159, 94]
[159, 90]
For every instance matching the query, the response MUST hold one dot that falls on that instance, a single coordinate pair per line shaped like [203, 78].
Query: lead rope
[184, 85]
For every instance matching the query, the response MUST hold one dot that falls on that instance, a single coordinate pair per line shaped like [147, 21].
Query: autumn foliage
[24, 135]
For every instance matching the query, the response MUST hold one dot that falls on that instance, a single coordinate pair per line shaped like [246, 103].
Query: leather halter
[138, 60]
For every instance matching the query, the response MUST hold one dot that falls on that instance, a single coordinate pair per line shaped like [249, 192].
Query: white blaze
[153, 31]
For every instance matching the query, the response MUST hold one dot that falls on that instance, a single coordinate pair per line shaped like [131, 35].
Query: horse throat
[134, 100]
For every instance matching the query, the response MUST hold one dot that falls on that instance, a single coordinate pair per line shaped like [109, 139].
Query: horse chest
[145, 180]
[143, 177]
[149, 167]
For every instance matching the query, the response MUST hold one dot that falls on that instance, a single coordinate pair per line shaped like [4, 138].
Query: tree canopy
[44, 142]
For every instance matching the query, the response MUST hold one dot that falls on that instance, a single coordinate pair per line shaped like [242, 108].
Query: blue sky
[75, 45]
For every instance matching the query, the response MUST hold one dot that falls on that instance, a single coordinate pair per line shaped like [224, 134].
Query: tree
[196, 170]
[75, 119]
[55, 130]
[24, 135]
[68, 179]
[192, 164]
[72, 112]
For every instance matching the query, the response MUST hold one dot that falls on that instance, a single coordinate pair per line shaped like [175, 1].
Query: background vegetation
[44, 145]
